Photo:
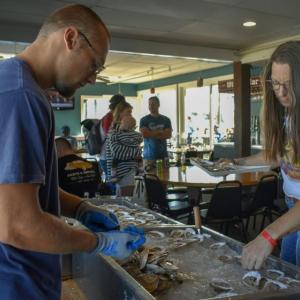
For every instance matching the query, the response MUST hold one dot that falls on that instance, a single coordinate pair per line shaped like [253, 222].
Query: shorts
[127, 180]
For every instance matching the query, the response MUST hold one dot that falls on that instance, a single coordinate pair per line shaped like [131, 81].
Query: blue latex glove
[134, 229]
[96, 218]
[118, 244]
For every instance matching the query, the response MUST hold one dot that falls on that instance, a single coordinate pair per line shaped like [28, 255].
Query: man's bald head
[79, 16]
[72, 44]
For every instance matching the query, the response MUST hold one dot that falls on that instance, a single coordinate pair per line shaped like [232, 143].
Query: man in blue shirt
[156, 129]
[68, 52]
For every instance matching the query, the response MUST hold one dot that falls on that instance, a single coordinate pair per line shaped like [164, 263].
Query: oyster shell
[274, 285]
[144, 258]
[274, 274]
[155, 235]
[178, 233]
[220, 285]
[251, 279]
[148, 281]
[225, 258]
[217, 245]
[152, 268]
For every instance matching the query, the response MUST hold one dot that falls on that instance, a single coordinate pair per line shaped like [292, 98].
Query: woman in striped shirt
[123, 150]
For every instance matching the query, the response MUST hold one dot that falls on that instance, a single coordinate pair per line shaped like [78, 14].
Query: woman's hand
[255, 253]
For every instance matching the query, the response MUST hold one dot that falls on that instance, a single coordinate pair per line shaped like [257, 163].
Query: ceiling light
[249, 24]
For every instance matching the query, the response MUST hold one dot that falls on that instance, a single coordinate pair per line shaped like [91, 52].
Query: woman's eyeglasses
[276, 84]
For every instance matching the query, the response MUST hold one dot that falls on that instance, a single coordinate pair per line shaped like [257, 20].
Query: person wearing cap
[106, 123]
[66, 134]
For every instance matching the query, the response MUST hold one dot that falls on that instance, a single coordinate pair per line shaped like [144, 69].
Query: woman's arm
[120, 151]
[252, 160]
[255, 252]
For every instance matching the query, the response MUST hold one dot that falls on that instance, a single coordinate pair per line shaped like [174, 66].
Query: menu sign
[256, 85]
[227, 86]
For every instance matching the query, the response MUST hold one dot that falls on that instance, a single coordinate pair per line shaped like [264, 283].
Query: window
[197, 109]
[210, 113]
[168, 106]
[96, 107]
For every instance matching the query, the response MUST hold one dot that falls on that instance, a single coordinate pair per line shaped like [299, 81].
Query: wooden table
[195, 177]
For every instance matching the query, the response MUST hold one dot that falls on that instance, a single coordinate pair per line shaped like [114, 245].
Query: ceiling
[198, 29]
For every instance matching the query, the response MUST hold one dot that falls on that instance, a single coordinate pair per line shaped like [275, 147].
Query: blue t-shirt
[27, 155]
[155, 148]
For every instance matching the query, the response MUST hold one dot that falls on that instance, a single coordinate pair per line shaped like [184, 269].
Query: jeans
[290, 246]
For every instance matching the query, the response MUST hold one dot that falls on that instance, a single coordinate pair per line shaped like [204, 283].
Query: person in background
[156, 129]
[281, 114]
[106, 123]
[126, 155]
[66, 134]
[217, 134]
[122, 110]
[76, 175]
[190, 131]
[72, 46]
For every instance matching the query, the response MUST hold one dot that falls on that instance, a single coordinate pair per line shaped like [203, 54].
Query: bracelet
[265, 234]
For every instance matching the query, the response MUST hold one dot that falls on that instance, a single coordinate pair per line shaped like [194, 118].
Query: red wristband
[265, 234]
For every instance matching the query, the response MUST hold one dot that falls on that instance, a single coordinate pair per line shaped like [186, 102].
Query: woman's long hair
[117, 112]
[275, 117]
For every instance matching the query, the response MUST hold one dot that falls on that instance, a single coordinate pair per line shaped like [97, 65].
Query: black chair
[225, 206]
[175, 206]
[262, 202]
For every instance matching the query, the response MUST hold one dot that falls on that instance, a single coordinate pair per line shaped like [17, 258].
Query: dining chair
[262, 202]
[174, 205]
[224, 208]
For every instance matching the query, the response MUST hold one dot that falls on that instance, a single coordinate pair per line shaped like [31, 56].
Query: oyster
[294, 283]
[144, 258]
[274, 274]
[217, 245]
[152, 268]
[178, 233]
[251, 279]
[274, 285]
[155, 235]
[220, 285]
[168, 266]
[148, 281]
[225, 258]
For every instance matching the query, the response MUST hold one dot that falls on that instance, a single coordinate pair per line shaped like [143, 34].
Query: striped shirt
[124, 147]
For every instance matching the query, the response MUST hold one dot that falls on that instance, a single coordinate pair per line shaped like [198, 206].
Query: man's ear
[71, 37]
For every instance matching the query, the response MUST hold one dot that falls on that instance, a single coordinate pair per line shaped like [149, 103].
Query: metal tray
[214, 169]
[126, 201]
[101, 277]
